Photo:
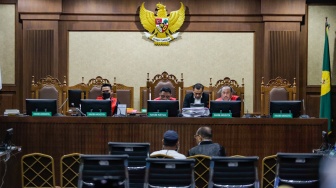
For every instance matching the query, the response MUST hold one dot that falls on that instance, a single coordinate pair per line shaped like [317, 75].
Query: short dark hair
[106, 85]
[205, 132]
[198, 86]
[165, 89]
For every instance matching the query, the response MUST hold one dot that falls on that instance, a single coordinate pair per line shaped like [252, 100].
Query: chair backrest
[161, 156]
[137, 152]
[143, 97]
[164, 80]
[202, 170]
[125, 94]
[50, 88]
[268, 171]
[276, 89]
[169, 173]
[99, 166]
[93, 89]
[237, 89]
[300, 170]
[189, 89]
[69, 170]
[234, 171]
[37, 170]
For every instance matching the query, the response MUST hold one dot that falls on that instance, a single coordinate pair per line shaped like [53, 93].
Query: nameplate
[222, 115]
[144, 110]
[282, 115]
[157, 114]
[43, 114]
[96, 114]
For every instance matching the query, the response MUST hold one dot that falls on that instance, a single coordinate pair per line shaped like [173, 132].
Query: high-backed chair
[164, 80]
[234, 172]
[137, 152]
[268, 171]
[93, 89]
[276, 89]
[144, 96]
[69, 170]
[189, 89]
[102, 166]
[202, 170]
[169, 173]
[50, 88]
[37, 170]
[125, 94]
[300, 170]
[237, 89]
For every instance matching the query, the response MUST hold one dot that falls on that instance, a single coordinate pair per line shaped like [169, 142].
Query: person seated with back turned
[107, 94]
[170, 145]
[165, 94]
[205, 145]
[227, 94]
[196, 97]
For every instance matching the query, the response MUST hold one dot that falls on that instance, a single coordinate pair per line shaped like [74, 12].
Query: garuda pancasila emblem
[162, 26]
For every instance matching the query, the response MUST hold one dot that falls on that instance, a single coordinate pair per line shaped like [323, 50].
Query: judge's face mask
[106, 95]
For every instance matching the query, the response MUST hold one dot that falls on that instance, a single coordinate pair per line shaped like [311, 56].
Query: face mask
[106, 95]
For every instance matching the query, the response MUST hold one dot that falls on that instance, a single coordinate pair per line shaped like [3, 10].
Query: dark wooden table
[57, 136]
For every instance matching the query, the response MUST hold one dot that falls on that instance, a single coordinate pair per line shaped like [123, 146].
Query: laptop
[198, 105]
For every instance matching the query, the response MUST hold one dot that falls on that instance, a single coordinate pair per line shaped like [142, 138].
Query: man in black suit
[197, 96]
[205, 146]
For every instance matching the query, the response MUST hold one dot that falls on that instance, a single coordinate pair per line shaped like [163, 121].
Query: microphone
[63, 103]
[78, 110]
[304, 115]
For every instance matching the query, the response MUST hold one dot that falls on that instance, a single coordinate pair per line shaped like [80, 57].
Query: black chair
[99, 167]
[298, 170]
[137, 152]
[234, 172]
[169, 173]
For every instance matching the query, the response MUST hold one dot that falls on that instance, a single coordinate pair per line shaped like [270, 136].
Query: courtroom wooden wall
[278, 25]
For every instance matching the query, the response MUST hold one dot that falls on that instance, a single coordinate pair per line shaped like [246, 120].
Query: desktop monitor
[172, 107]
[293, 107]
[93, 105]
[74, 97]
[196, 105]
[41, 105]
[233, 107]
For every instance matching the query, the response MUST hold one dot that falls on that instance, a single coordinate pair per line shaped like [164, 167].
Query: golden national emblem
[161, 26]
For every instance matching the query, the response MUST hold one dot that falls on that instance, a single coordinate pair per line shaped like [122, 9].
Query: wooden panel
[283, 7]
[283, 50]
[215, 7]
[63, 135]
[7, 101]
[40, 6]
[40, 52]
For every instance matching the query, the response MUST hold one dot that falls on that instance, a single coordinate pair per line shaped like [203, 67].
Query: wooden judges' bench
[57, 136]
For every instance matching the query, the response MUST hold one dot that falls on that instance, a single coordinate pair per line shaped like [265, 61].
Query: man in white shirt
[170, 145]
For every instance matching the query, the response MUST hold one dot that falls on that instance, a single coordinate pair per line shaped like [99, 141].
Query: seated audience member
[106, 94]
[196, 97]
[170, 145]
[205, 145]
[165, 94]
[227, 94]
